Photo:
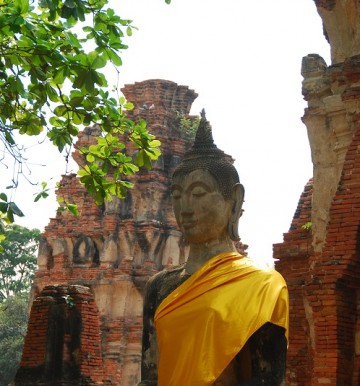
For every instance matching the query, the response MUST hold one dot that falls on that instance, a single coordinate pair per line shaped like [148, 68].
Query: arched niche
[85, 251]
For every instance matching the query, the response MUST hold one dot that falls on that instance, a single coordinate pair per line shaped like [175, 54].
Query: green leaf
[114, 57]
[4, 207]
[90, 158]
[60, 111]
[73, 209]
[80, 79]
[60, 137]
[43, 193]
[89, 82]
[76, 101]
[70, 4]
[83, 172]
[155, 143]
[129, 106]
[15, 209]
[37, 197]
[139, 160]
[22, 5]
[101, 27]
[8, 136]
[51, 92]
[147, 162]
[96, 61]
[60, 75]
[72, 39]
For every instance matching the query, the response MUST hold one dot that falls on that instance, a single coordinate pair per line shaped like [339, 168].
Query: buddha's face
[201, 211]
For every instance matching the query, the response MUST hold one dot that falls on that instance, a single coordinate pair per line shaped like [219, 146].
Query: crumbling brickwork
[111, 251]
[63, 343]
[324, 286]
[321, 263]
[293, 255]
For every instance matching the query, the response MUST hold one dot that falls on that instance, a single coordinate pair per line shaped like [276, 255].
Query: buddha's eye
[198, 192]
[175, 194]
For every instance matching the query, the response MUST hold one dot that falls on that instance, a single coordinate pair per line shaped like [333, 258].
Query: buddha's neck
[201, 253]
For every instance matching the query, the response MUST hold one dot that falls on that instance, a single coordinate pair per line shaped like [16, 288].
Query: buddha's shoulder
[264, 272]
[166, 275]
[165, 281]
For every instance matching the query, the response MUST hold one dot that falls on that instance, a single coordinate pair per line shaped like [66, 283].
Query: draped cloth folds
[206, 321]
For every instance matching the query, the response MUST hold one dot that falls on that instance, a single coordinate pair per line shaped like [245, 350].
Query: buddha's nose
[187, 213]
[186, 207]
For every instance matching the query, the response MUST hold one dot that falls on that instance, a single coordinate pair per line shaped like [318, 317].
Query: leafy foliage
[13, 323]
[17, 260]
[307, 226]
[8, 210]
[17, 266]
[53, 54]
[188, 125]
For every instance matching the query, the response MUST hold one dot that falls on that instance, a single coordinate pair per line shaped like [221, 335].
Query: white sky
[243, 58]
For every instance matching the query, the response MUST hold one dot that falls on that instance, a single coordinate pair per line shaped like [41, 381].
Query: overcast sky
[243, 58]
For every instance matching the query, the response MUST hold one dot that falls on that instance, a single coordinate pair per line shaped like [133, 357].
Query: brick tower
[86, 319]
[321, 262]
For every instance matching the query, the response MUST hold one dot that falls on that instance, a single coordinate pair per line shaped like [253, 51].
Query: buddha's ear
[237, 211]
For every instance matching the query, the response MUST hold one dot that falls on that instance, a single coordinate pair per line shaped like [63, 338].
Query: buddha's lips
[188, 224]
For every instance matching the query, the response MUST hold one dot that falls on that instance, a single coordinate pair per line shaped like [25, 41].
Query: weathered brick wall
[293, 263]
[333, 281]
[324, 287]
[63, 343]
[321, 266]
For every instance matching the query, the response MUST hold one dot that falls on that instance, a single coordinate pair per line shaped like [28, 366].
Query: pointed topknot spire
[204, 138]
[204, 154]
[204, 146]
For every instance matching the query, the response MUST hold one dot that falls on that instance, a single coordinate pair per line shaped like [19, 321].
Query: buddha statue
[218, 319]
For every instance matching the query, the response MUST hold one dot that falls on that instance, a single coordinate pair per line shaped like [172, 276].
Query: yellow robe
[206, 321]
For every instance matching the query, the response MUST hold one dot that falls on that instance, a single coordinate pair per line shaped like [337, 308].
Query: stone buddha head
[206, 191]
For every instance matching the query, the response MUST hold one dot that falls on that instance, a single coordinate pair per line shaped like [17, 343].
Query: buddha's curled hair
[204, 154]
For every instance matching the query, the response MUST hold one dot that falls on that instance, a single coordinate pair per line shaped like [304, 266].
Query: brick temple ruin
[321, 261]
[85, 325]
[86, 317]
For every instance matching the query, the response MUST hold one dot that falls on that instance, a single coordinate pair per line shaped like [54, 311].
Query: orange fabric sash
[205, 322]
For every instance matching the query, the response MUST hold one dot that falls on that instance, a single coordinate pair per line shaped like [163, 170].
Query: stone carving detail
[110, 254]
[44, 254]
[341, 20]
[59, 247]
[85, 251]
